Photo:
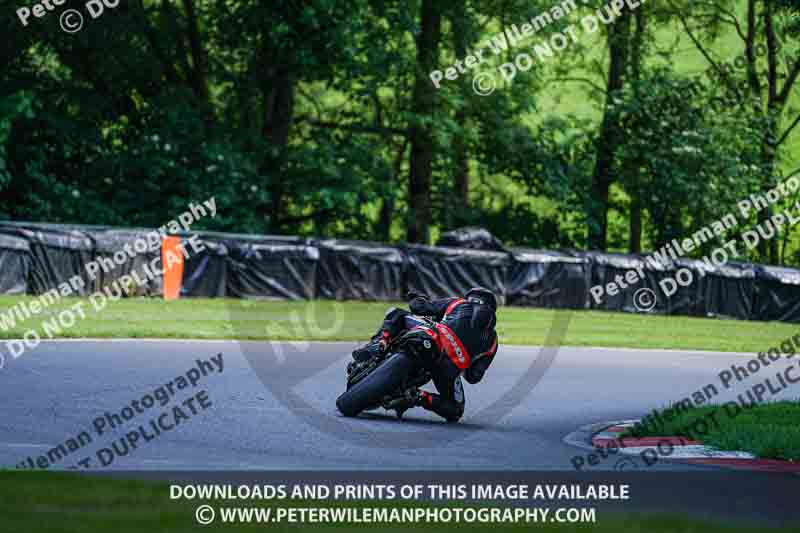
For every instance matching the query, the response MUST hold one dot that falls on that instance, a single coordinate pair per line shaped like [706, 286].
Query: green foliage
[296, 116]
[11, 107]
[686, 158]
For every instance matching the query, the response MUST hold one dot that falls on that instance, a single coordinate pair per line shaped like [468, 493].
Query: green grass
[329, 320]
[769, 431]
[45, 502]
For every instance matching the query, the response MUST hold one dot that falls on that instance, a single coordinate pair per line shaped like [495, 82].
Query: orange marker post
[172, 266]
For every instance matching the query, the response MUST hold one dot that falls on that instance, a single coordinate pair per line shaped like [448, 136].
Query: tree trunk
[461, 156]
[635, 228]
[198, 72]
[386, 216]
[768, 248]
[460, 150]
[637, 53]
[278, 93]
[667, 225]
[424, 105]
[608, 140]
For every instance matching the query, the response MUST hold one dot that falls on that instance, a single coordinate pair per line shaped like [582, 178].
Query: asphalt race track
[57, 390]
[281, 415]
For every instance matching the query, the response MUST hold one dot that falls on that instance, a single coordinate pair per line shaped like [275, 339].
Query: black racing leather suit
[463, 341]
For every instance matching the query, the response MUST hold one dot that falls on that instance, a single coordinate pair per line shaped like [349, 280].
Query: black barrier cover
[542, 278]
[655, 273]
[109, 242]
[56, 255]
[15, 264]
[205, 272]
[685, 291]
[443, 271]
[730, 291]
[272, 267]
[472, 238]
[682, 287]
[358, 270]
[777, 294]
[35, 258]
[608, 269]
[704, 289]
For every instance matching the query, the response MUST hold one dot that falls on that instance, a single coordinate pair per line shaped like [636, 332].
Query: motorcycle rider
[462, 341]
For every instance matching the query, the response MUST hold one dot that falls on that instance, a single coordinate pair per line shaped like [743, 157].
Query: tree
[638, 44]
[609, 136]
[685, 161]
[421, 128]
[762, 89]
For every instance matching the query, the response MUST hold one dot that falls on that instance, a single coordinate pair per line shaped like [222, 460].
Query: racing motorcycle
[388, 380]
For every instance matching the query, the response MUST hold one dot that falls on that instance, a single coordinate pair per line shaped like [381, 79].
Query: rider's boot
[431, 402]
[412, 398]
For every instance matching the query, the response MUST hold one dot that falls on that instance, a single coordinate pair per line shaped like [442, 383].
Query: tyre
[369, 392]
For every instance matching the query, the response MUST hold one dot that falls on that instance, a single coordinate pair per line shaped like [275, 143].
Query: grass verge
[769, 430]
[45, 502]
[350, 321]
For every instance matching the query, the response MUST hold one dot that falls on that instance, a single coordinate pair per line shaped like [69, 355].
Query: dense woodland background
[317, 117]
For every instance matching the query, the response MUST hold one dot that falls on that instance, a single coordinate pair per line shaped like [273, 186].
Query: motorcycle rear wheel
[383, 381]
